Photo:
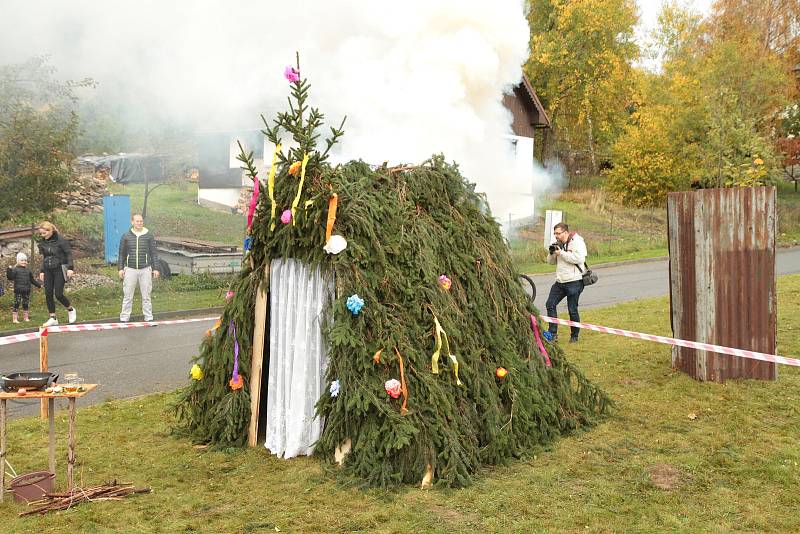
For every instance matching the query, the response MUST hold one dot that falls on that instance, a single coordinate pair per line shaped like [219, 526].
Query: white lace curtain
[298, 356]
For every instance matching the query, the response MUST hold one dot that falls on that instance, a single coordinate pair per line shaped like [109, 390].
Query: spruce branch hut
[378, 323]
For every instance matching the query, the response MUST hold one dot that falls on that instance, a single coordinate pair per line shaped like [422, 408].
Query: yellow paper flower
[758, 161]
[196, 372]
[294, 168]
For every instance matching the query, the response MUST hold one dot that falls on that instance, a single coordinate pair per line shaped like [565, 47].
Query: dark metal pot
[14, 381]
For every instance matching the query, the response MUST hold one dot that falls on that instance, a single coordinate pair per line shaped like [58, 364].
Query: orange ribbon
[211, 330]
[236, 384]
[403, 386]
[333, 203]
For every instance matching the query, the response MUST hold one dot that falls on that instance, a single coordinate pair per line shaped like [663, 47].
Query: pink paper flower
[445, 282]
[393, 388]
[229, 295]
[291, 74]
[286, 216]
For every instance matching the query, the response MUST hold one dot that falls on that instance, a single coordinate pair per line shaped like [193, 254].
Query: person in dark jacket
[137, 259]
[23, 279]
[57, 269]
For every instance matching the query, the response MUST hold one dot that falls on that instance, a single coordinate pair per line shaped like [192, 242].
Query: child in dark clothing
[22, 278]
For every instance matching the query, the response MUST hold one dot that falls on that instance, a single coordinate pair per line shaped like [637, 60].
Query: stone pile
[85, 191]
[89, 280]
[243, 204]
[9, 249]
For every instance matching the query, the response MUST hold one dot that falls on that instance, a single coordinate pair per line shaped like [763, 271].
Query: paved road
[639, 280]
[138, 361]
[126, 362]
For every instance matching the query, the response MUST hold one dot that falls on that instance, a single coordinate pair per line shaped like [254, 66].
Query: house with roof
[528, 116]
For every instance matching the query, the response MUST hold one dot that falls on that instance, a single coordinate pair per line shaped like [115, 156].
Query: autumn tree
[581, 62]
[713, 105]
[38, 126]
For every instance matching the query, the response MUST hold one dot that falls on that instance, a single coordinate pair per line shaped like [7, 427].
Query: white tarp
[298, 357]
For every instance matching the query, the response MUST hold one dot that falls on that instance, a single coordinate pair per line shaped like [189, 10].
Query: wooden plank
[40, 394]
[71, 443]
[10, 234]
[2, 448]
[196, 245]
[257, 359]
[52, 434]
[43, 366]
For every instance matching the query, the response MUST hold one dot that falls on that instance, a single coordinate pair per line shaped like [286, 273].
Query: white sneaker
[72, 315]
[52, 321]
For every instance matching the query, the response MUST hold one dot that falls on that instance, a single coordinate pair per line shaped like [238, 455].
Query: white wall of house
[523, 167]
[218, 198]
[229, 197]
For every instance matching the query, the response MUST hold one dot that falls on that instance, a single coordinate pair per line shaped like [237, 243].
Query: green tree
[38, 126]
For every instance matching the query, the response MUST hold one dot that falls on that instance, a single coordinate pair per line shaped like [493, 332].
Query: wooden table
[51, 397]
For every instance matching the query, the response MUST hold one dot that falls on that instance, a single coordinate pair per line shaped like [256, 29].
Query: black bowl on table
[29, 381]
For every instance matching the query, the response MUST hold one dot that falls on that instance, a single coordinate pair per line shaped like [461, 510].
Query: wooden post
[51, 405]
[257, 360]
[71, 443]
[43, 366]
[2, 448]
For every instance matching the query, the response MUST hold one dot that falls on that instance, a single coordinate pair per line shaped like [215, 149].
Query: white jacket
[567, 262]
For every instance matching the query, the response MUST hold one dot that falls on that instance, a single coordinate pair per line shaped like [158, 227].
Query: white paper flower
[334, 389]
[335, 244]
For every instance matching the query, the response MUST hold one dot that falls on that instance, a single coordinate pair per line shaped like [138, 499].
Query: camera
[553, 248]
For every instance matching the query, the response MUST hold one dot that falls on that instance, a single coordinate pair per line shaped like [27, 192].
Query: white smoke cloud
[414, 78]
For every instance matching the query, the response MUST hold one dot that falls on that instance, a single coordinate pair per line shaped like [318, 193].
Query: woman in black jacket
[57, 268]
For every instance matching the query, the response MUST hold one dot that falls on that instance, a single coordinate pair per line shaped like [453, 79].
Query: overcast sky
[648, 12]
[650, 9]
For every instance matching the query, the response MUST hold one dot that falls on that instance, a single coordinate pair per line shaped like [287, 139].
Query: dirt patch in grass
[666, 477]
[455, 517]
[631, 382]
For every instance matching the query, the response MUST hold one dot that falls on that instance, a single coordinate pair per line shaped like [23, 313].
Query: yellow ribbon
[403, 385]
[440, 333]
[300, 187]
[271, 185]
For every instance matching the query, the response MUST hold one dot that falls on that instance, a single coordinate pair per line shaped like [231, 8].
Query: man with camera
[568, 253]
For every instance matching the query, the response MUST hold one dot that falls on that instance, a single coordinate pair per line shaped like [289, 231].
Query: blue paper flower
[248, 243]
[547, 335]
[334, 389]
[354, 304]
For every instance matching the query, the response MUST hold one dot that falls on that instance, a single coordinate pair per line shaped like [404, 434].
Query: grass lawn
[612, 232]
[677, 455]
[617, 233]
[788, 214]
[172, 210]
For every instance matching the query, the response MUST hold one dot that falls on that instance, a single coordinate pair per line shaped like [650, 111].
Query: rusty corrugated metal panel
[722, 279]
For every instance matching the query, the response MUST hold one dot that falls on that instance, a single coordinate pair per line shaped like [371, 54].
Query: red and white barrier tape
[679, 342]
[8, 340]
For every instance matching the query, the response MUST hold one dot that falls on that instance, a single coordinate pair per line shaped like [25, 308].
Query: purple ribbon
[235, 354]
[535, 328]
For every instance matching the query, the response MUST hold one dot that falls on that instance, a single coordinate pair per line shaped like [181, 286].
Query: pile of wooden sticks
[111, 491]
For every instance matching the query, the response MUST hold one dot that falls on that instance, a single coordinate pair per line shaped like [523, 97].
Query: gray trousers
[143, 277]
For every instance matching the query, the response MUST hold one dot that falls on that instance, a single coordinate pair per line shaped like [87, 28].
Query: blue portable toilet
[116, 221]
